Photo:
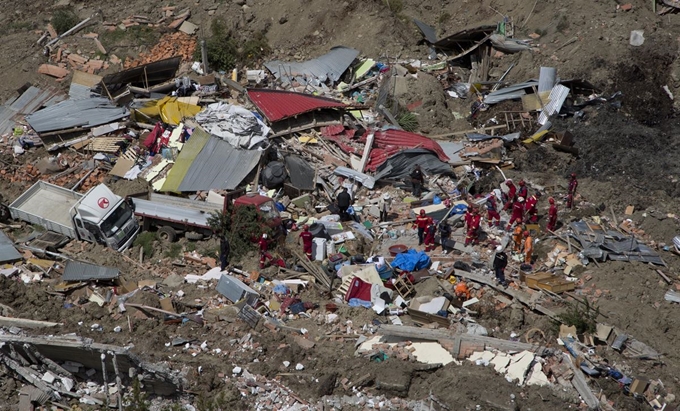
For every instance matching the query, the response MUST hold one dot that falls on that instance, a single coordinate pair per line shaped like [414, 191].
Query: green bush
[64, 19]
[223, 50]
[582, 316]
[408, 121]
[145, 240]
[174, 250]
[242, 226]
[255, 48]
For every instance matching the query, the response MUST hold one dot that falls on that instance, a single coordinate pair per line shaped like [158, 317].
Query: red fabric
[467, 218]
[573, 184]
[552, 217]
[359, 289]
[264, 245]
[523, 192]
[150, 140]
[511, 190]
[493, 215]
[517, 213]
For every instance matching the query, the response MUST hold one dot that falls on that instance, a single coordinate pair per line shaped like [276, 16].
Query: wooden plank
[25, 323]
[581, 384]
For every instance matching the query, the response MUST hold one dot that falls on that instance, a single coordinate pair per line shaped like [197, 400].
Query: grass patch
[38, 228]
[444, 17]
[255, 48]
[223, 49]
[408, 121]
[64, 19]
[145, 240]
[132, 37]
[190, 246]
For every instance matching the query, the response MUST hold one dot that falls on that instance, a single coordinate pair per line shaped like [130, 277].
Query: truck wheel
[193, 236]
[166, 234]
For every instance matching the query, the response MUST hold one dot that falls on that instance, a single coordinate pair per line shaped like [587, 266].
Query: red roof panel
[278, 105]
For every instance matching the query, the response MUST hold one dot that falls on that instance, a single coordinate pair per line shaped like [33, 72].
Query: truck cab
[264, 205]
[105, 218]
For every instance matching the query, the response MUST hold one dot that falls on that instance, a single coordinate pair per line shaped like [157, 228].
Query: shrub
[64, 19]
[582, 316]
[145, 240]
[408, 121]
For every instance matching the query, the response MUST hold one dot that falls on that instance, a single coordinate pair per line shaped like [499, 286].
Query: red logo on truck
[103, 202]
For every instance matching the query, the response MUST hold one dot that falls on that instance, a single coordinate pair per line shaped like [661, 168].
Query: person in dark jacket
[500, 261]
[224, 252]
[344, 201]
[417, 180]
[444, 233]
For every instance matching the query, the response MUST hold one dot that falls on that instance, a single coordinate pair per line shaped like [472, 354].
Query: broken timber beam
[581, 384]
[25, 323]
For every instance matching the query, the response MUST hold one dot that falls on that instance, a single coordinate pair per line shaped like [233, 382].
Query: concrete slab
[431, 353]
[537, 376]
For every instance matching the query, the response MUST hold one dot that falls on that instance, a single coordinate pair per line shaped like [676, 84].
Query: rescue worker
[224, 252]
[421, 224]
[462, 291]
[444, 234]
[473, 230]
[384, 205]
[552, 215]
[417, 180]
[509, 198]
[306, 238]
[517, 238]
[528, 247]
[430, 231]
[492, 211]
[517, 213]
[571, 191]
[523, 190]
[344, 201]
[532, 211]
[264, 246]
[500, 261]
[467, 218]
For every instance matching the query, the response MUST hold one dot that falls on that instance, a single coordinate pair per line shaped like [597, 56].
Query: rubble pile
[291, 234]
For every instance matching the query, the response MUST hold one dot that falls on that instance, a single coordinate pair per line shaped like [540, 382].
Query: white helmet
[386, 196]
[520, 199]
[264, 235]
[499, 248]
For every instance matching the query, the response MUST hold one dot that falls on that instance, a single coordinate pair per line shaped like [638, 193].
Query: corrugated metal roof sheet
[557, 97]
[219, 166]
[330, 66]
[7, 251]
[512, 92]
[277, 105]
[389, 142]
[80, 271]
[185, 159]
[31, 100]
[74, 113]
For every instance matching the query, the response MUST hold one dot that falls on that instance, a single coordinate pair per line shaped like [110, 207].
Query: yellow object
[452, 279]
[308, 139]
[170, 110]
[536, 137]
[234, 75]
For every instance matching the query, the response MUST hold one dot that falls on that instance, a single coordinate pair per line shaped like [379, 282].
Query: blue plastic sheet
[411, 260]
[355, 302]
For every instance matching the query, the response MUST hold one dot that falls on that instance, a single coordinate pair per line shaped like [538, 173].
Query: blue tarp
[411, 260]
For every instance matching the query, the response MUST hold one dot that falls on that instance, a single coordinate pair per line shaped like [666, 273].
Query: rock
[236, 370]
[239, 2]
[283, 20]
[299, 367]
[637, 38]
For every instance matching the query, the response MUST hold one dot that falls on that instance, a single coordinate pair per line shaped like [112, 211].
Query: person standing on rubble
[571, 192]
[492, 211]
[444, 234]
[430, 231]
[528, 247]
[306, 238]
[500, 261]
[417, 180]
[421, 224]
[384, 205]
[264, 247]
[532, 211]
[224, 252]
[523, 190]
[517, 213]
[344, 201]
[552, 215]
[472, 236]
[517, 238]
[509, 198]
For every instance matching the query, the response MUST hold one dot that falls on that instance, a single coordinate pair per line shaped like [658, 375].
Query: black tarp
[400, 165]
[300, 172]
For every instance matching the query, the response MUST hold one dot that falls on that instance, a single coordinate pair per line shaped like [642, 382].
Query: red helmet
[551, 200]
[573, 175]
[422, 212]
[526, 234]
[305, 227]
[521, 182]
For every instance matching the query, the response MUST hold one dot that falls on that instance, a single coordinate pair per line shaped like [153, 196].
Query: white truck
[98, 216]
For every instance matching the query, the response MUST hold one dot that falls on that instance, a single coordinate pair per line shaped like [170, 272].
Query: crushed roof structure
[68, 114]
[30, 100]
[277, 105]
[601, 244]
[330, 66]
[142, 76]
[460, 40]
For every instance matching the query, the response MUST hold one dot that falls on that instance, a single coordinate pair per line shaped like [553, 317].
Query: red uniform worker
[306, 238]
[532, 211]
[264, 246]
[517, 213]
[473, 229]
[430, 230]
[552, 215]
[573, 184]
[511, 194]
[523, 189]
[421, 223]
[468, 217]
[492, 211]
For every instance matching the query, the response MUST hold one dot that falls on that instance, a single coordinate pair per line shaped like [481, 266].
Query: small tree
[241, 225]
[582, 316]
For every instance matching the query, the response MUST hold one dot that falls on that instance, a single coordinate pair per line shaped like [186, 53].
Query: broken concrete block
[637, 38]
[517, 370]
[303, 342]
[48, 377]
[373, 211]
[500, 363]
[67, 383]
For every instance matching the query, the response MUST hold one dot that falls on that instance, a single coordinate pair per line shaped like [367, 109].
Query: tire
[166, 233]
[193, 236]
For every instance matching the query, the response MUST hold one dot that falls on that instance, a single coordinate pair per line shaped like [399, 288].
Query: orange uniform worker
[528, 247]
[517, 238]
[462, 291]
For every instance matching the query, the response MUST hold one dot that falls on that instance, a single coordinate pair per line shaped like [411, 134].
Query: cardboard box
[533, 279]
[638, 386]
